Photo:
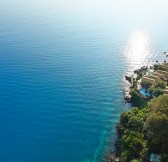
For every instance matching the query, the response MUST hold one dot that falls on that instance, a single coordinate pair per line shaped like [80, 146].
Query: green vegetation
[156, 67]
[160, 84]
[137, 99]
[157, 92]
[140, 72]
[144, 130]
[130, 130]
[157, 89]
[157, 123]
[146, 84]
[160, 67]
[163, 67]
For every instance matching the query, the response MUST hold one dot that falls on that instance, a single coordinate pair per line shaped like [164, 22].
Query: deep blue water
[61, 70]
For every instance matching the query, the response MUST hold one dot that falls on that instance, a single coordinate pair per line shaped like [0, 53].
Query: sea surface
[62, 65]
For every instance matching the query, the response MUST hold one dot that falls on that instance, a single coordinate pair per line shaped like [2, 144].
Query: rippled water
[61, 70]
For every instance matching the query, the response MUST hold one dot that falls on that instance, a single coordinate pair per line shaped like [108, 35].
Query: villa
[150, 74]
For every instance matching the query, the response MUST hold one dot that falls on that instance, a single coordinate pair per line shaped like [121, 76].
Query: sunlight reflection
[137, 52]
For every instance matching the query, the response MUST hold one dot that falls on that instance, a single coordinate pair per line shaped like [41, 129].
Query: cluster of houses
[153, 75]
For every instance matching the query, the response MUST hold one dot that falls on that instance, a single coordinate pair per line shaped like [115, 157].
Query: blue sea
[62, 65]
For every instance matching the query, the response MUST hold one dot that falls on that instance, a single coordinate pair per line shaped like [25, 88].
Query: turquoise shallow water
[61, 70]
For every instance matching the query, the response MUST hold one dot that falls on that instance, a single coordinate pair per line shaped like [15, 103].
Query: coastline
[141, 74]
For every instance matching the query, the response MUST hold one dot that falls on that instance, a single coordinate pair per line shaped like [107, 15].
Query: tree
[151, 90]
[137, 100]
[159, 104]
[158, 125]
[134, 160]
[157, 122]
[164, 157]
[156, 67]
[160, 84]
[124, 119]
[125, 156]
[146, 84]
[157, 92]
[133, 143]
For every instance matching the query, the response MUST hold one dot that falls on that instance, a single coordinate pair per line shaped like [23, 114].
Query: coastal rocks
[127, 94]
[113, 158]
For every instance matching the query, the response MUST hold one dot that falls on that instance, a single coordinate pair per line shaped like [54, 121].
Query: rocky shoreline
[155, 74]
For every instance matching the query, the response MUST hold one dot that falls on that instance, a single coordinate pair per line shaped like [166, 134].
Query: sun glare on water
[138, 50]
